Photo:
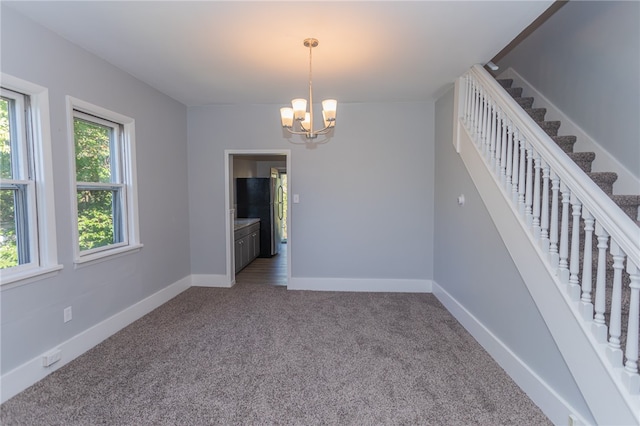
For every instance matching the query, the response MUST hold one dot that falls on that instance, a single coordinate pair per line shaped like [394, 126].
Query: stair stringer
[597, 380]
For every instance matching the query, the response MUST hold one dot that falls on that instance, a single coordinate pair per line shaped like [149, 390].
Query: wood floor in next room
[263, 270]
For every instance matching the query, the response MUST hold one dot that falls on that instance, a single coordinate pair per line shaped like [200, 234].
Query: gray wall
[32, 317]
[366, 196]
[586, 60]
[244, 168]
[473, 265]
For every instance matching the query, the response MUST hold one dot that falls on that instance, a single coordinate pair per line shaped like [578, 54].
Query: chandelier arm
[323, 131]
[293, 132]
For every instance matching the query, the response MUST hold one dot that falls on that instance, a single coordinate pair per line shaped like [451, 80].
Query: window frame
[34, 182]
[126, 185]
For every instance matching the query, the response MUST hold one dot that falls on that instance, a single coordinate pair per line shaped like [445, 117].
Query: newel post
[461, 107]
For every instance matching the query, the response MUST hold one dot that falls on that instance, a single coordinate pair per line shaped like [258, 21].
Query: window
[27, 217]
[105, 203]
[17, 191]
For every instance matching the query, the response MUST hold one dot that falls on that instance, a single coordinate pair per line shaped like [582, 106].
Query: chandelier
[289, 116]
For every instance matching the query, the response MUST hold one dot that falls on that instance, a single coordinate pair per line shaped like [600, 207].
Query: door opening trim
[230, 211]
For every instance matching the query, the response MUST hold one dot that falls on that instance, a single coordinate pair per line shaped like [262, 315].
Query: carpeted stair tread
[524, 102]
[565, 142]
[629, 204]
[505, 82]
[604, 180]
[550, 127]
[515, 92]
[536, 113]
[583, 159]
[626, 200]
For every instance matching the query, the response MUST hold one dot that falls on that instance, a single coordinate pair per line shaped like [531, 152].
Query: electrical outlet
[51, 358]
[67, 314]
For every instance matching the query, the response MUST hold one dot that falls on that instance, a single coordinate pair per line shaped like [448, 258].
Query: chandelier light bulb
[299, 108]
[306, 123]
[286, 115]
[327, 123]
[329, 107]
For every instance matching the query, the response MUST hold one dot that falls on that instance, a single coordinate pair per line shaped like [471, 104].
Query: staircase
[569, 235]
[605, 180]
[629, 204]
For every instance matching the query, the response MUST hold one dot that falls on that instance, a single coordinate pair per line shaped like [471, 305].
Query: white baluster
[599, 325]
[522, 168]
[485, 120]
[563, 265]
[586, 305]
[474, 111]
[463, 107]
[544, 221]
[574, 264]
[522, 171]
[478, 115]
[492, 133]
[630, 375]
[536, 196]
[483, 114]
[528, 196]
[554, 257]
[515, 176]
[498, 142]
[509, 157]
[471, 95]
[503, 147]
[615, 322]
[474, 120]
[467, 100]
[487, 126]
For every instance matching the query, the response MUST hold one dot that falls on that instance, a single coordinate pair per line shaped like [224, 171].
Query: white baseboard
[211, 280]
[545, 397]
[627, 182]
[20, 378]
[361, 284]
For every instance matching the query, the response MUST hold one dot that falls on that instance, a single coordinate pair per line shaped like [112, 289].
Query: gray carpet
[259, 354]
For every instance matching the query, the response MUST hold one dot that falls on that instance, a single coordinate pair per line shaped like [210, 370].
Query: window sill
[29, 276]
[102, 256]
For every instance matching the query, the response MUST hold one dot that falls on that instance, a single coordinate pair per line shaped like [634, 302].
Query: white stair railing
[562, 209]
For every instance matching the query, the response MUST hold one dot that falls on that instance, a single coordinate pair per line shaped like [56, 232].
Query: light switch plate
[67, 314]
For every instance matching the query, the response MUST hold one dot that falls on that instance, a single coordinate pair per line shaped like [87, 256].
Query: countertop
[244, 222]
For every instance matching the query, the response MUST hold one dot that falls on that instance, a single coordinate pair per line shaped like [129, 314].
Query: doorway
[285, 188]
[269, 169]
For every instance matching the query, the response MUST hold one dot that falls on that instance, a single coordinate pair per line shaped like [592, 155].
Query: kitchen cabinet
[247, 242]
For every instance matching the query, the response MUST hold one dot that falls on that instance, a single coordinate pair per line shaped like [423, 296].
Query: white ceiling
[221, 52]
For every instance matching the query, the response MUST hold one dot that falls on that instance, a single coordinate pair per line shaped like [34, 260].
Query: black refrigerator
[261, 198]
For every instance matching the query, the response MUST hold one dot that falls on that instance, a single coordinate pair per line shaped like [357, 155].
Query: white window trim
[45, 216]
[129, 176]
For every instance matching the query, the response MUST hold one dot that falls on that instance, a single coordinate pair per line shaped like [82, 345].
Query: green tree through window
[98, 205]
[8, 243]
